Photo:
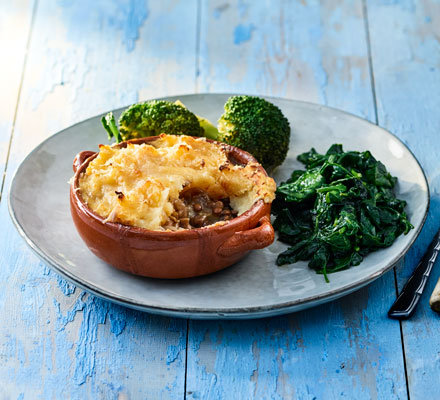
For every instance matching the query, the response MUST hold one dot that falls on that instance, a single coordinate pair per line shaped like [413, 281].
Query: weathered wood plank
[55, 341]
[405, 42]
[343, 349]
[15, 25]
[300, 50]
[317, 52]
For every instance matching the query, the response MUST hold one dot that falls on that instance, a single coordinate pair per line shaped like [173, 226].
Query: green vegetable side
[257, 126]
[248, 122]
[151, 119]
[333, 213]
[337, 210]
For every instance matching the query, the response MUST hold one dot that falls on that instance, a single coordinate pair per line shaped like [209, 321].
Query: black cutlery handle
[407, 301]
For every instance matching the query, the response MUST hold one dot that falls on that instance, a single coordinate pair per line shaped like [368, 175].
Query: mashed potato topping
[137, 185]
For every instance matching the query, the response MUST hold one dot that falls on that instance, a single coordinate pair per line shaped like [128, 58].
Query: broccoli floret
[257, 126]
[153, 118]
[209, 130]
[109, 123]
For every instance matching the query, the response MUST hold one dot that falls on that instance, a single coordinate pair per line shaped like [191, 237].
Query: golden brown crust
[137, 185]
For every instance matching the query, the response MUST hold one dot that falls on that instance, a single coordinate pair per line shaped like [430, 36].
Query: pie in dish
[172, 183]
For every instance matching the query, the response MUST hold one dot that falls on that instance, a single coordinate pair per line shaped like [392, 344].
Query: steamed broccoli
[209, 130]
[250, 123]
[153, 118]
[109, 123]
[257, 126]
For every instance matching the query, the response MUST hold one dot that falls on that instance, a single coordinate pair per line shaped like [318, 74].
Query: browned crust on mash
[137, 185]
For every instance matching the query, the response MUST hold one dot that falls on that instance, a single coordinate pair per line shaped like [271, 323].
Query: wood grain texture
[15, 26]
[56, 341]
[299, 50]
[85, 58]
[405, 44]
[345, 349]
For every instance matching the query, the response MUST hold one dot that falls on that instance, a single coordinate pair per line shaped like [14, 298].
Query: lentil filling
[195, 209]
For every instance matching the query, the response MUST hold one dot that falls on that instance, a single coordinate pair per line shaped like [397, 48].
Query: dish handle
[80, 158]
[257, 238]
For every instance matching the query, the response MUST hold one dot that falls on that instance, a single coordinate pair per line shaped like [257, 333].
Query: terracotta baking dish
[180, 254]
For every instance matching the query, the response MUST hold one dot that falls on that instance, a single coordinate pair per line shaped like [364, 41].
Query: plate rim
[230, 312]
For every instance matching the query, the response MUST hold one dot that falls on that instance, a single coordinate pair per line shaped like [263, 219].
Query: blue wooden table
[66, 60]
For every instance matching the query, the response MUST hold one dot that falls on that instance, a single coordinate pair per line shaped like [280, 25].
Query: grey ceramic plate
[255, 287]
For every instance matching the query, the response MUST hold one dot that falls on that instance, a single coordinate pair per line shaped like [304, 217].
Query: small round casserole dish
[170, 254]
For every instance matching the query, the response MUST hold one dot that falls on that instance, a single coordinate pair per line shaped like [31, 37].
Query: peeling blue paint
[173, 353]
[95, 312]
[126, 17]
[302, 349]
[243, 33]
[118, 319]
[65, 287]
[317, 52]
[242, 8]
[134, 18]
[64, 342]
[218, 11]
[85, 353]
[406, 56]
[63, 320]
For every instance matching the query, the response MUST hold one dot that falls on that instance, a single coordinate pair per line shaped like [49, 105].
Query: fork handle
[408, 299]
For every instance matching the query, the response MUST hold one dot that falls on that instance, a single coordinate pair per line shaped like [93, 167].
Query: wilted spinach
[340, 208]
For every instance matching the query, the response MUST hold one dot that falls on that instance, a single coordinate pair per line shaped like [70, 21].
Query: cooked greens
[151, 119]
[257, 126]
[337, 210]
[248, 122]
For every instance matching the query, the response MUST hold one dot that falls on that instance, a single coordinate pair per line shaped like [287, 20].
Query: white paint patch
[13, 36]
